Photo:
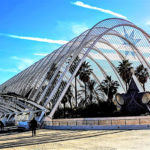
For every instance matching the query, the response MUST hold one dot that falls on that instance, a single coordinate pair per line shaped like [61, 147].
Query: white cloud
[35, 39]
[40, 54]
[81, 4]
[23, 62]
[8, 70]
[148, 23]
[79, 28]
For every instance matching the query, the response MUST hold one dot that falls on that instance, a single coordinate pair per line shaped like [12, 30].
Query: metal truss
[37, 86]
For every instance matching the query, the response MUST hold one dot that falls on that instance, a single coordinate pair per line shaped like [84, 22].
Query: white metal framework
[104, 45]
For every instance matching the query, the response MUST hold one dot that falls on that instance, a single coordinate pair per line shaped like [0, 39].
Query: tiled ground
[77, 140]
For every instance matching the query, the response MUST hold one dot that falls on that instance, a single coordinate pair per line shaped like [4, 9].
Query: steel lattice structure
[104, 45]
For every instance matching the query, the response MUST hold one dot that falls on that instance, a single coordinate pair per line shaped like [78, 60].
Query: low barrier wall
[139, 122]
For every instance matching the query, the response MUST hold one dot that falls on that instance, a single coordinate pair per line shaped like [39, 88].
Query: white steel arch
[39, 83]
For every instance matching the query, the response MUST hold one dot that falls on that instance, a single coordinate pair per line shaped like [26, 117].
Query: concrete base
[113, 127]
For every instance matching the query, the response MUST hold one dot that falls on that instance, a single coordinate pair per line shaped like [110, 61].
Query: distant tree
[109, 87]
[142, 75]
[51, 72]
[84, 75]
[71, 70]
[125, 71]
[69, 95]
[94, 95]
[64, 101]
[67, 98]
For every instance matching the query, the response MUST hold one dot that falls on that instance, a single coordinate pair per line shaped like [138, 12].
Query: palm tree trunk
[64, 110]
[126, 86]
[70, 103]
[70, 107]
[91, 97]
[76, 90]
[144, 87]
[85, 91]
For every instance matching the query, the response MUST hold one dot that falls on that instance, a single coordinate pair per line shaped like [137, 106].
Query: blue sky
[30, 29]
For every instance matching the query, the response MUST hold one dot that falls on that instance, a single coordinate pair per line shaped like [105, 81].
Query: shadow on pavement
[52, 137]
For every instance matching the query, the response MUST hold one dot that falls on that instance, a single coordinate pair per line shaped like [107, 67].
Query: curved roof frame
[34, 76]
[86, 55]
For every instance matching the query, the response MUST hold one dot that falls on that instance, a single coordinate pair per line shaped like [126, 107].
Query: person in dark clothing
[1, 125]
[33, 126]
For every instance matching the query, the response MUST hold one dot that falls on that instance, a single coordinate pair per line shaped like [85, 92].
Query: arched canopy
[104, 46]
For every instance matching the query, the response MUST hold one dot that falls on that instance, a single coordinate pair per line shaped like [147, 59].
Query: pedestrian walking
[33, 126]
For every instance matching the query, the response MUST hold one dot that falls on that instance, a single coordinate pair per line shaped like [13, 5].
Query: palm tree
[84, 75]
[94, 92]
[142, 75]
[51, 72]
[125, 71]
[67, 98]
[69, 94]
[71, 70]
[91, 85]
[109, 87]
[54, 82]
[94, 95]
[64, 101]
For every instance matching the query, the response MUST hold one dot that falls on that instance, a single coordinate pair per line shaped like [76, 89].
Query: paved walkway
[77, 140]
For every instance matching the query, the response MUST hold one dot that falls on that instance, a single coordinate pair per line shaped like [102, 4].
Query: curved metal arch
[35, 75]
[130, 43]
[113, 67]
[59, 99]
[38, 90]
[39, 77]
[67, 67]
[147, 35]
[111, 46]
[62, 77]
[101, 69]
[114, 48]
[15, 77]
[2, 111]
[74, 56]
[16, 102]
[19, 103]
[113, 19]
[133, 47]
[9, 107]
[62, 62]
[5, 109]
[23, 72]
[77, 38]
[11, 103]
[137, 52]
[30, 102]
[99, 66]
[93, 74]
[27, 76]
[79, 43]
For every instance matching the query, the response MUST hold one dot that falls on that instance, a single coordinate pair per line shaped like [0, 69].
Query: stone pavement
[76, 140]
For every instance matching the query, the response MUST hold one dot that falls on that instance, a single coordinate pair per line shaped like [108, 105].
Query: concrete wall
[141, 122]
